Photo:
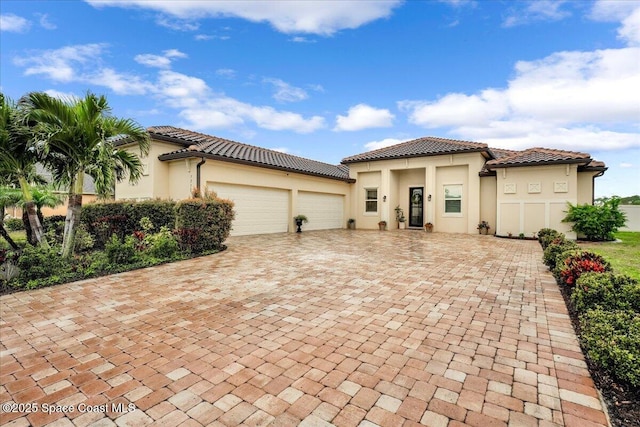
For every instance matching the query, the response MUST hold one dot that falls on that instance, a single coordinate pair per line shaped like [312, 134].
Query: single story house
[452, 184]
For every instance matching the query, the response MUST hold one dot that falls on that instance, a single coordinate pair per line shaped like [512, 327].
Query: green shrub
[123, 218]
[14, 224]
[121, 253]
[546, 235]
[611, 339]
[54, 222]
[83, 241]
[596, 222]
[39, 262]
[558, 245]
[203, 224]
[578, 263]
[162, 245]
[606, 291]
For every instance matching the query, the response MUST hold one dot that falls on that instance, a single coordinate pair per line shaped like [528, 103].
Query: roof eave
[409, 156]
[171, 139]
[543, 163]
[199, 154]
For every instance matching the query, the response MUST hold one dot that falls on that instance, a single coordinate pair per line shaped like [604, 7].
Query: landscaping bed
[604, 305]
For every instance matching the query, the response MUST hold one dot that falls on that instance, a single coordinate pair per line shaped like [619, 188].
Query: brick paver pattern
[345, 328]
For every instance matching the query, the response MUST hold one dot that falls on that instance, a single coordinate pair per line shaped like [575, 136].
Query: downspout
[200, 163]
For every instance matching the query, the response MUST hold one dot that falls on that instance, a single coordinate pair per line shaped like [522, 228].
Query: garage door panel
[259, 210]
[325, 211]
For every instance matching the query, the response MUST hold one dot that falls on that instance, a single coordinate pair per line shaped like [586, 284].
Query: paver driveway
[340, 327]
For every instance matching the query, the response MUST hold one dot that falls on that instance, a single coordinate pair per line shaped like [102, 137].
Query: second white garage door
[259, 210]
[325, 211]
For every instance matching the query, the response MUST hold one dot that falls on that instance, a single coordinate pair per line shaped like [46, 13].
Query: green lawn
[20, 237]
[624, 256]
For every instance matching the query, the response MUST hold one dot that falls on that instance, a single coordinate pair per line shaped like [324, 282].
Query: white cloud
[324, 18]
[60, 95]
[14, 23]
[625, 165]
[159, 61]
[281, 150]
[572, 100]
[196, 103]
[387, 142]
[59, 64]
[300, 39]
[457, 109]
[536, 11]
[363, 116]
[625, 12]
[45, 23]
[284, 92]
[151, 60]
[226, 72]
[177, 24]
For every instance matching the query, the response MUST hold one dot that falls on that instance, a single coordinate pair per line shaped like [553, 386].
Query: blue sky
[326, 80]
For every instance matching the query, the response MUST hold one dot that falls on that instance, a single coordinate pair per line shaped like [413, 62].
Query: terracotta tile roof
[499, 153]
[201, 145]
[428, 146]
[536, 156]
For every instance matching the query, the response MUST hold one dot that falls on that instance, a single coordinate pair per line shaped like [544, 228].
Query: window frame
[368, 200]
[445, 199]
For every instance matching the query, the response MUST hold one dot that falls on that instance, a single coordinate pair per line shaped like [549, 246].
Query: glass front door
[416, 217]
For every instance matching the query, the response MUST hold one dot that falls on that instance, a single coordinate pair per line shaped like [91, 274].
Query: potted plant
[382, 225]
[351, 224]
[428, 227]
[300, 219]
[400, 217]
[483, 227]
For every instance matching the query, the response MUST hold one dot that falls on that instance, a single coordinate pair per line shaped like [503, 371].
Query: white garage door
[259, 210]
[325, 211]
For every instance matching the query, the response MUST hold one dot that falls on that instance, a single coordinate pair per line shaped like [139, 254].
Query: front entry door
[416, 217]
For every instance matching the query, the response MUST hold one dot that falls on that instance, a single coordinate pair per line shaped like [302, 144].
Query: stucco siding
[488, 201]
[394, 177]
[155, 179]
[530, 188]
[447, 176]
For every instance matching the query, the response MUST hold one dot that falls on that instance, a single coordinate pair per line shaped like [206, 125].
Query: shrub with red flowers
[581, 262]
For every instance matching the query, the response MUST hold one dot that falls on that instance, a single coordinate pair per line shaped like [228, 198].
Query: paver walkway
[345, 328]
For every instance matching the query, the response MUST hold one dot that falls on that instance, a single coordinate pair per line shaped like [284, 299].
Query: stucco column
[430, 189]
[473, 196]
[385, 190]
[293, 209]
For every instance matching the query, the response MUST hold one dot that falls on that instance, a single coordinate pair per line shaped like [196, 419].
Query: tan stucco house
[452, 184]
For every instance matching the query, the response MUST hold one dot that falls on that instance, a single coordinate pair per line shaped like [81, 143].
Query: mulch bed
[623, 402]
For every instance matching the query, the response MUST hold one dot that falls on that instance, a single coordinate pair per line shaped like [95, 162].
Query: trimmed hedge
[14, 224]
[612, 340]
[578, 263]
[546, 236]
[123, 218]
[606, 291]
[557, 246]
[203, 224]
[607, 305]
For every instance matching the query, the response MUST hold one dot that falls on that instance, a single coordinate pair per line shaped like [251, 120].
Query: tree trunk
[34, 222]
[73, 214]
[27, 227]
[7, 237]
[71, 224]
[29, 208]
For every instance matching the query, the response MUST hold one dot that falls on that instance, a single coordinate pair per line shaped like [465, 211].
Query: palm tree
[77, 137]
[17, 161]
[8, 197]
[45, 196]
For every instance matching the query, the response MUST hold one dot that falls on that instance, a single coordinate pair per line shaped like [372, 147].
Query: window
[371, 200]
[453, 199]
